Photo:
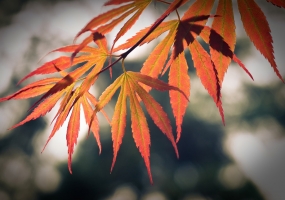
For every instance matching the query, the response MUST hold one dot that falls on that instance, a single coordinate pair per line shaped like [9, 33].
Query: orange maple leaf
[181, 34]
[73, 98]
[129, 84]
[258, 30]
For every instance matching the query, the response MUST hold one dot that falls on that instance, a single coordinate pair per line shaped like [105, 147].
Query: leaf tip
[69, 163]
[113, 163]
[281, 78]
[178, 133]
[220, 107]
[100, 149]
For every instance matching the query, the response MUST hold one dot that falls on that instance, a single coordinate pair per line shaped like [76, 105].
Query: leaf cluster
[184, 32]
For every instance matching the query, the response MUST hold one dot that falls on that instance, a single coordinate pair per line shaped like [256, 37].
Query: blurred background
[243, 160]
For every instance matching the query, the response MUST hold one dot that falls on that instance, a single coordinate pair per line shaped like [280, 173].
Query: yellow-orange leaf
[197, 9]
[104, 29]
[206, 71]
[72, 48]
[139, 127]
[62, 117]
[222, 37]
[41, 109]
[189, 27]
[88, 110]
[121, 13]
[155, 62]
[119, 122]
[91, 77]
[53, 66]
[154, 83]
[157, 114]
[33, 89]
[129, 83]
[142, 6]
[108, 93]
[163, 27]
[178, 77]
[66, 98]
[80, 71]
[116, 2]
[205, 35]
[94, 102]
[72, 132]
[67, 80]
[101, 42]
[104, 17]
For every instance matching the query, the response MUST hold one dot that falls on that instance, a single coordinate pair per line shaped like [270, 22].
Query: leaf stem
[125, 54]
[152, 28]
[163, 2]
[177, 14]
[123, 66]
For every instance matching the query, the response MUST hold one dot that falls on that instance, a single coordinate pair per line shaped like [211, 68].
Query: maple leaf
[98, 24]
[258, 30]
[180, 34]
[155, 62]
[104, 29]
[129, 84]
[222, 38]
[33, 89]
[73, 98]
[178, 76]
[206, 34]
[135, 6]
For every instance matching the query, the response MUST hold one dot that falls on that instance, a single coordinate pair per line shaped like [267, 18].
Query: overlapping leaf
[33, 89]
[222, 37]
[73, 97]
[155, 62]
[181, 34]
[163, 27]
[206, 34]
[178, 76]
[95, 58]
[105, 22]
